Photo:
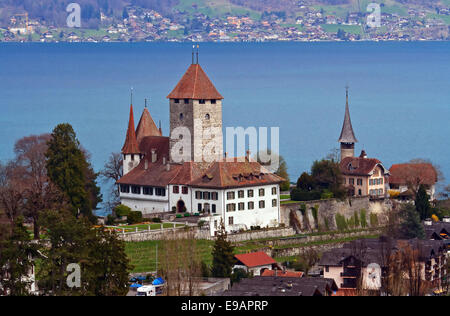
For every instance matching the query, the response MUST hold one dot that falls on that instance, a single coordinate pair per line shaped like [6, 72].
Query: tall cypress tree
[423, 203]
[223, 256]
[68, 168]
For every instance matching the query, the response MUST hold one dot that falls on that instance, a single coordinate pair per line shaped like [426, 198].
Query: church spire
[131, 146]
[347, 133]
[146, 126]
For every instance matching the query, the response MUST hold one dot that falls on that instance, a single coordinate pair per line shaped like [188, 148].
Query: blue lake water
[399, 94]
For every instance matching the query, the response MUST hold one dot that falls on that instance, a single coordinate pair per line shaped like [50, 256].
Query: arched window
[207, 116]
[181, 116]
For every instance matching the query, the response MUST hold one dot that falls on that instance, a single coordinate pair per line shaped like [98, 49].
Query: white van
[146, 290]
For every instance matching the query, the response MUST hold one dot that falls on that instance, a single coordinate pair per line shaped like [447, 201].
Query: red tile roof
[358, 166]
[255, 259]
[234, 174]
[146, 127]
[131, 145]
[286, 274]
[195, 84]
[415, 173]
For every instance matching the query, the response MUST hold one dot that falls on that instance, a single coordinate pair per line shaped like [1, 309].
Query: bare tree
[12, 190]
[112, 172]
[39, 193]
[181, 264]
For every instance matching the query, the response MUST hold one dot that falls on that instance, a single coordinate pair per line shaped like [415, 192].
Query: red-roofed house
[256, 262]
[363, 176]
[411, 175]
[238, 192]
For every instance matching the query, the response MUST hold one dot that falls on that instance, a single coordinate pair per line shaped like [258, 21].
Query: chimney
[146, 164]
[154, 156]
[446, 219]
[428, 222]
[363, 154]
[248, 155]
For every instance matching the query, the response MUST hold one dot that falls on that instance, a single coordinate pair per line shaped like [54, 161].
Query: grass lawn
[285, 197]
[141, 227]
[445, 18]
[143, 254]
[216, 8]
[333, 28]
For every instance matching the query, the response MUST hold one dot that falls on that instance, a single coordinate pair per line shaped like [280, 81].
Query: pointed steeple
[347, 134]
[131, 145]
[196, 85]
[146, 126]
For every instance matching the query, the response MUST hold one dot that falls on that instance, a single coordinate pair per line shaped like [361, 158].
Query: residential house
[363, 176]
[409, 176]
[256, 263]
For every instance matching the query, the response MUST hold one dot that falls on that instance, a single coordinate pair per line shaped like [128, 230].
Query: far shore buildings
[363, 176]
[188, 173]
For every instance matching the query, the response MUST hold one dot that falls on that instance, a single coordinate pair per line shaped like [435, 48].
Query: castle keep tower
[196, 105]
[347, 138]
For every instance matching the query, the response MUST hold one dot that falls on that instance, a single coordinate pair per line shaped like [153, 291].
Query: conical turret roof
[347, 133]
[131, 145]
[146, 127]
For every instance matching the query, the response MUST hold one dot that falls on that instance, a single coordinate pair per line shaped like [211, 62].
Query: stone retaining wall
[327, 210]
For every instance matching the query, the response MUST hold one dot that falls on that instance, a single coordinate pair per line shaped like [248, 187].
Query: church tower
[130, 150]
[347, 138]
[196, 108]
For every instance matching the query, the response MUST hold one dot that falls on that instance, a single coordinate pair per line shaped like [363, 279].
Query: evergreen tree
[410, 226]
[223, 256]
[68, 168]
[16, 261]
[423, 203]
[100, 254]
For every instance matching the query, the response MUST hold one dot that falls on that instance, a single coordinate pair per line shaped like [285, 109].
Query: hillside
[54, 10]
[224, 20]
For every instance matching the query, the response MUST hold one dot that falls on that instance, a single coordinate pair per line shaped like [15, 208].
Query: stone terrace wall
[204, 234]
[327, 210]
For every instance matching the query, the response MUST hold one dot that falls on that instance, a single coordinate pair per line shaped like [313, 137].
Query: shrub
[373, 220]
[341, 223]
[300, 195]
[187, 215]
[179, 216]
[134, 217]
[200, 224]
[351, 222]
[156, 220]
[122, 210]
[357, 223]
[110, 220]
[326, 195]
[303, 209]
[314, 212]
[362, 215]
[327, 226]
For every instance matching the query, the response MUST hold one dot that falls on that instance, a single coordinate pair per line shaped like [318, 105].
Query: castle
[187, 172]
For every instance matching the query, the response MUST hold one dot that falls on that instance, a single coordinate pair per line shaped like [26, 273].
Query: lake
[399, 93]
